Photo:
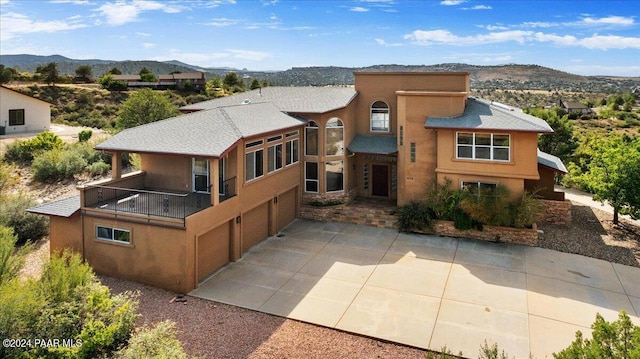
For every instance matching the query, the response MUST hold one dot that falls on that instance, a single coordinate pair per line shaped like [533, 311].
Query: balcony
[148, 204]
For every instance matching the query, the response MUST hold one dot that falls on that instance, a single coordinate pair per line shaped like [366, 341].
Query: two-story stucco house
[232, 171]
[23, 113]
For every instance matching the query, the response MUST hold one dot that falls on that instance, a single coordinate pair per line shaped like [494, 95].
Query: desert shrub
[98, 168]
[84, 135]
[440, 199]
[488, 206]
[7, 177]
[11, 259]
[27, 226]
[491, 352]
[66, 302]
[462, 221]
[25, 151]
[57, 165]
[158, 342]
[525, 212]
[414, 216]
[620, 339]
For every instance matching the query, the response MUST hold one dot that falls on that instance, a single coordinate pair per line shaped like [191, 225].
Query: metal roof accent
[207, 133]
[287, 99]
[485, 115]
[65, 207]
[551, 161]
[382, 145]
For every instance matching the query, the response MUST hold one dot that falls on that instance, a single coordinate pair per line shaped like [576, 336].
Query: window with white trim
[118, 235]
[483, 146]
[254, 165]
[274, 158]
[311, 177]
[335, 137]
[291, 152]
[379, 117]
[16, 117]
[311, 139]
[334, 171]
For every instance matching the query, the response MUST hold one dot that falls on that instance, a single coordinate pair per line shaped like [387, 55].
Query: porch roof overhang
[551, 161]
[65, 207]
[381, 145]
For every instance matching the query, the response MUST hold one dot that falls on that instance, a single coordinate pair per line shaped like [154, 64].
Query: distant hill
[506, 77]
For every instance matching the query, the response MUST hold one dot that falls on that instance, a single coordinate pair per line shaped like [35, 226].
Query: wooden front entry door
[380, 180]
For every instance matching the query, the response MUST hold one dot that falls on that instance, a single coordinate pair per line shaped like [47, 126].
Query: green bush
[527, 211]
[66, 302]
[488, 206]
[25, 151]
[98, 168]
[84, 135]
[159, 342]
[414, 216]
[619, 340]
[27, 226]
[11, 259]
[7, 177]
[58, 165]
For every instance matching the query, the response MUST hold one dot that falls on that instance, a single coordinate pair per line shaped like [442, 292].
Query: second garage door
[286, 208]
[213, 251]
[255, 226]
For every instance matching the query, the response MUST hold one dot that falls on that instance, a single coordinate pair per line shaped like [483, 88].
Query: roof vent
[246, 101]
[502, 106]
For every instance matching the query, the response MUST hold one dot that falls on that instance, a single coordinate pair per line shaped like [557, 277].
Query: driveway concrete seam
[581, 284]
[435, 321]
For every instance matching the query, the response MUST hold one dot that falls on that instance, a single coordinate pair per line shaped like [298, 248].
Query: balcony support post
[215, 183]
[116, 165]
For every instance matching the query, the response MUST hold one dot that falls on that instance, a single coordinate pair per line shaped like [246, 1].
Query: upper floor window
[483, 146]
[254, 165]
[311, 139]
[379, 117]
[335, 137]
[16, 117]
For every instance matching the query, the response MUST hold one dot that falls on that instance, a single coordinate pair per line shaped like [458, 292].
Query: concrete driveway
[427, 291]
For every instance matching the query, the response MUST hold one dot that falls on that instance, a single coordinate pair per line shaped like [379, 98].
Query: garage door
[255, 226]
[213, 251]
[286, 208]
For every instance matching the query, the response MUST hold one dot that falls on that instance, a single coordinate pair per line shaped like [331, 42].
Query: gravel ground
[214, 330]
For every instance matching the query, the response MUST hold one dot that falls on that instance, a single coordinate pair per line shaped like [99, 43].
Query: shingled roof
[485, 115]
[65, 207]
[286, 99]
[207, 133]
[383, 145]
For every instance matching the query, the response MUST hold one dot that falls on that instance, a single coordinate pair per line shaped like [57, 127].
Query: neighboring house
[234, 170]
[575, 107]
[22, 113]
[177, 80]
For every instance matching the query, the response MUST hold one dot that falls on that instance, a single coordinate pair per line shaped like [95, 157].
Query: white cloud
[597, 42]
[143, 34]
[452, 2]
[603, 70]
[223, 22]
[478, 7]
[75, 2]
[609, 20]
[148, 45]
[496, 27]
[13, 25]
[384, 43]
[358, 9]
[501, 59]
[121, 12]
[228, 57]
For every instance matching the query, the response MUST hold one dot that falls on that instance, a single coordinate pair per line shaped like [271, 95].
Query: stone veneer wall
[340, 197]
[489, 233]
[557, 212]
[318, 213]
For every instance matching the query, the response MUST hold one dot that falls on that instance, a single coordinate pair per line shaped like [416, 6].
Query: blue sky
[582, 37]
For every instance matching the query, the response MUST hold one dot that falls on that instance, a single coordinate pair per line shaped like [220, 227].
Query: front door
[201, 181]
[380, 180]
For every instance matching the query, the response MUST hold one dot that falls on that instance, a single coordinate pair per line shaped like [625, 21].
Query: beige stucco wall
[65, 233]
[37, 113]
[167, 172]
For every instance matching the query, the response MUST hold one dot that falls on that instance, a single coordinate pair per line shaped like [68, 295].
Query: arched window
[311, 139]
[335, 137]
[379, 117]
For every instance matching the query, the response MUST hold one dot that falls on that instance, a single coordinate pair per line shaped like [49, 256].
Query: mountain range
[510, 76]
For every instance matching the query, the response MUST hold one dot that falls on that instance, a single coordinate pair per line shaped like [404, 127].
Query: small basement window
[113, 234]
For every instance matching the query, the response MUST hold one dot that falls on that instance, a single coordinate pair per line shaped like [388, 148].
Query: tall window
[311, 177]
[254, 165]
[335, 175]
[16, 117]
[292, 152]
[311, 139]
[483, 146]
[274, 158]
[379, 117]
[335, 137]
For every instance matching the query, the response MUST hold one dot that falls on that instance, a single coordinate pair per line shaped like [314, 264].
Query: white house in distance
[22, 113]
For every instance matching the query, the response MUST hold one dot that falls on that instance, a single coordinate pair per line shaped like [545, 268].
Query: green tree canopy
[84, 71]
[611, 170]
[254, 84]
[6, 74]
[145, 106]
[115, 71]
[147, 76]
[562, 142]
[232, 80]
[49, 73]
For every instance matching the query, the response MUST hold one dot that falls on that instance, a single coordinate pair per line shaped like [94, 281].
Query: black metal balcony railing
[145, 202]
[227, 188]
